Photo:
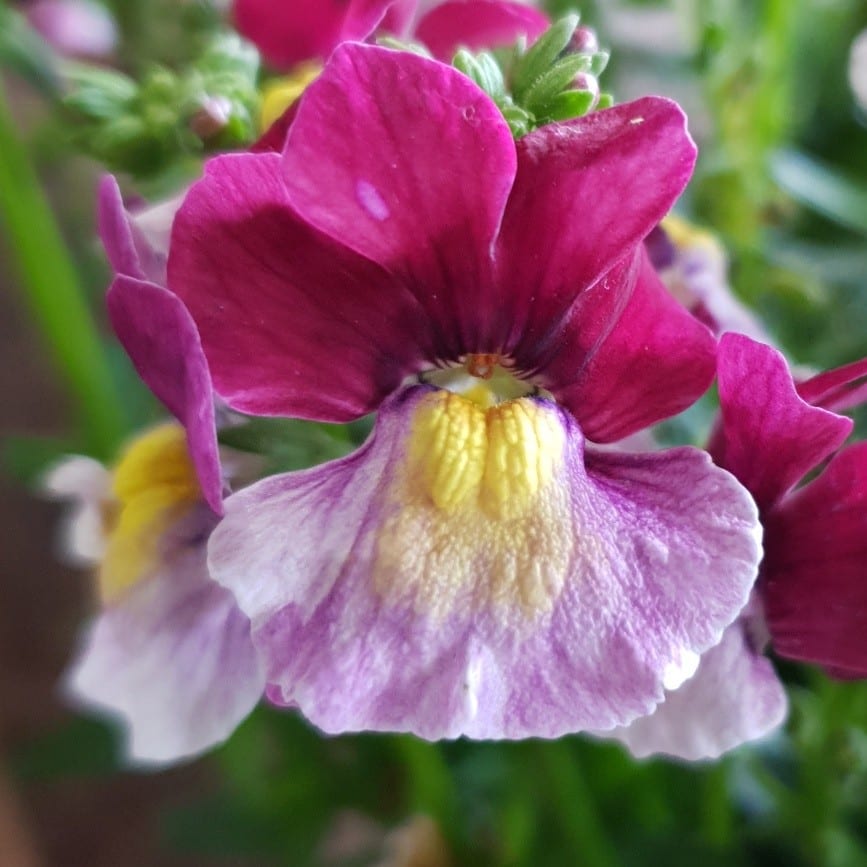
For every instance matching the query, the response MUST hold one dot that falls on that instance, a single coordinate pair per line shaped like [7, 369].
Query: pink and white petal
[768, 436]
[734, 697]
[586, 194]
[87, 484]
[161, 338]
[629, 355]
[652, 558]
[478, 25]
[409, 163]
[814, 578]
[172, 658]
[839, 389]
[292, 323]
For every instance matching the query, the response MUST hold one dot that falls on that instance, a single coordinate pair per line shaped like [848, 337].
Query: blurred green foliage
[782, 178]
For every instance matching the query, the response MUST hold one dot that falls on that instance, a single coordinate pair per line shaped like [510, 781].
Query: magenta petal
[734, 697]
[814, 584]
[629, 354]
[292, 323]
[160, 337]
[655, 556]
[173, 657]
[128, 250]
[409, 163]
[288, 33]
[839, 389]
[478, 25]
[586, 193]
[768, 437]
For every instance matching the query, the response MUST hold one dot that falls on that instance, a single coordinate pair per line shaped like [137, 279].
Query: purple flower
[813, 582]
[476, 567]
[811, 597]
[170, 652]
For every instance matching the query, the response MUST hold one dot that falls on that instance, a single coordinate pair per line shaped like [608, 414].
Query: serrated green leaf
[554, 81]
[542, 55]
[483, 70]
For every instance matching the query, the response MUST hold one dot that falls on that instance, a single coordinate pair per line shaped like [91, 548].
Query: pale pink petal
[648, 559]
[172, 658]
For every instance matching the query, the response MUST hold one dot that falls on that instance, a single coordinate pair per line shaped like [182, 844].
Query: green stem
[572, 799]
[716, 806]
[52, 290]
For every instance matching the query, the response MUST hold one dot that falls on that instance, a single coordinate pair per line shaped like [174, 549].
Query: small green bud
[483, 70]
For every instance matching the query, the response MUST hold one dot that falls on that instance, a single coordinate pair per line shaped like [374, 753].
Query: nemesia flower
[170, 652]
[476, 567]
[812, 595]
[812, 583]
[74, 28]
[692, 264]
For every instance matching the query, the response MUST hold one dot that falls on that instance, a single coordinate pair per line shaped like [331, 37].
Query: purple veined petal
[374, 608]
[814, 578]
[409, 163]
[768, 436]
[837, 390]
[292, 323]
[628, 356]
[161, 338]
[734, 697]
[173, 657]
[586, 194]
[478, 25]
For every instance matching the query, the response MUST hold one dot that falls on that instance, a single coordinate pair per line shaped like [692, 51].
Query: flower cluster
[493, 561]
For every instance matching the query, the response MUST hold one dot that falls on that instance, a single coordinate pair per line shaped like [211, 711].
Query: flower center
[485, 378]
[153, 483]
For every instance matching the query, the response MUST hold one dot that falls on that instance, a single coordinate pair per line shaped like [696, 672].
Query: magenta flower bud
[74, 28]
[584, 41]
[211, 117]
[588, 82]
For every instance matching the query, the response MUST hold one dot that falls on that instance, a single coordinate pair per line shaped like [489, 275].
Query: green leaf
[289, 444]
[26, 54]
[826, 190]
[27, 458]
[568, 105]
[53, 292]
[542, 55]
